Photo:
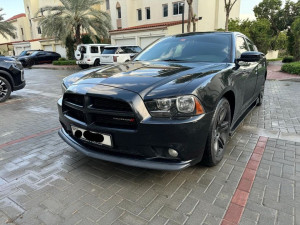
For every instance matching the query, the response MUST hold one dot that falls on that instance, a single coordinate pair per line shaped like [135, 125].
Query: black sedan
[171, 107]
[38, 57]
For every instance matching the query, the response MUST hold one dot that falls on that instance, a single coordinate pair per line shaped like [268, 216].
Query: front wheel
[5, 89]
[218, 133]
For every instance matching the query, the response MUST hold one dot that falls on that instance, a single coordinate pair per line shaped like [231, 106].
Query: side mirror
[132, 56]
[251, 57]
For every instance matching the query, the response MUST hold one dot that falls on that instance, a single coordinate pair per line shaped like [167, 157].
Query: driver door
[249, 74]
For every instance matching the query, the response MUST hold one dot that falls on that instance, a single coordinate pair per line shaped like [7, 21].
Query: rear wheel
[5, 89]
[97, 62]
[218, 133]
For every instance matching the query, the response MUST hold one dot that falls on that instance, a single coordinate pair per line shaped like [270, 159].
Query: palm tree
[73, 18]
[6, 28]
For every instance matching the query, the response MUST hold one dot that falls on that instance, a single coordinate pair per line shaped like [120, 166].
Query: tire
[5, 89]
[97, 62]
[83, 66]
[260, 98]
[218, 134]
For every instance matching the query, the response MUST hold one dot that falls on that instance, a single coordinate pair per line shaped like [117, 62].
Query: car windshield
[191, 48]
[110, 50]
[131, 49]
[26, 53]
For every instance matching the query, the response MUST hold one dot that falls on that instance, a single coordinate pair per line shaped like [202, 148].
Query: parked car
[172, 106]
[89, 54]
[38, 57]
[11, 77]
[27, 52]
[119, 54]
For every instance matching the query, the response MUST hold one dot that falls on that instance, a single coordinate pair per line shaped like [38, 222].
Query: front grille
[109, 104]
[99, 111]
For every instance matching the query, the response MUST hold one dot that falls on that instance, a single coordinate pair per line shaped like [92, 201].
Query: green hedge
[66, 62]
[292, 68]
[288, 59]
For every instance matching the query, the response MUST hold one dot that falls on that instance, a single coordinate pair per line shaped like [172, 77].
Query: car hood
[146, 77]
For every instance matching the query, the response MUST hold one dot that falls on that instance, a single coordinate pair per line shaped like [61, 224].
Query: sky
[14, 7]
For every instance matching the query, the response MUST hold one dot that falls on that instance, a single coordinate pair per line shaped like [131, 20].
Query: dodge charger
[173, 105]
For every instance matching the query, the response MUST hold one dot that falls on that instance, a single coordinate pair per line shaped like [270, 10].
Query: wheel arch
[230, 96]
[8, 77]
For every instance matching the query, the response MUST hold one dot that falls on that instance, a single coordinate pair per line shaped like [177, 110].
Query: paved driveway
[44, 181]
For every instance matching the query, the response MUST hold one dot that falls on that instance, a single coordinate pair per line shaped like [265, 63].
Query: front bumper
[89, 151]
[20, 86]
[146, 146]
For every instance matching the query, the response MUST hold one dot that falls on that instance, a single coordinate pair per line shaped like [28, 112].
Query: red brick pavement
[274, 73]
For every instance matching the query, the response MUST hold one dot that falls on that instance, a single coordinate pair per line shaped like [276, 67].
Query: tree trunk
[77, 35]
[190, 15]
[194, 24]
[226, 21]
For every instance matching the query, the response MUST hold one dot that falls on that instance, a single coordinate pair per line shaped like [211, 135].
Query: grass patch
[274, 60]
[63, 63]
[292, 68]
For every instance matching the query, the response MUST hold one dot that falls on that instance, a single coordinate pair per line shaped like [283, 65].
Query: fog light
[173, 152]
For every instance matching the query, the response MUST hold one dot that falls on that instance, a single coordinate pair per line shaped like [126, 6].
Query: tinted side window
[131, 49]
[94, 50]
[241, 46]
[250, 45]
[109, 50]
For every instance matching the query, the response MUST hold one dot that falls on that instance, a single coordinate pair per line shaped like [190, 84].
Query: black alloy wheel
[218, 134]
[5, 89]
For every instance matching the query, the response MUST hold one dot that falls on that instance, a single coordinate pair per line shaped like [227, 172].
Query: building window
[139, 14]
[178, 8]
[107, 5]
[165, 10]
[119, 12]
[148, 16]
[22, 32]
[39, 30]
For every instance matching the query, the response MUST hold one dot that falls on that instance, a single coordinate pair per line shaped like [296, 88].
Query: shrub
[293, 68]
[66, 62]
[288, 59]
[62, 59]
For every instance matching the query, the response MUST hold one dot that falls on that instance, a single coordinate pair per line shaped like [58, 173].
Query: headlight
[187, 105]
[15, 63]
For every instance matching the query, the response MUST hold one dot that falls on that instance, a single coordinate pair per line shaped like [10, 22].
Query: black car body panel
[146, 138]
[12, 72]
[38, 57]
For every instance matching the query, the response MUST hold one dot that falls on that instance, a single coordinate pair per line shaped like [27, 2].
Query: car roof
[208, 32]
[118, 46]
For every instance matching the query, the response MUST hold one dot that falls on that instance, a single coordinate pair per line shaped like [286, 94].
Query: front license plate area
[92, 137]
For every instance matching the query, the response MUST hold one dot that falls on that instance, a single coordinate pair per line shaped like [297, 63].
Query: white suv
[118, 53]
[89, 54]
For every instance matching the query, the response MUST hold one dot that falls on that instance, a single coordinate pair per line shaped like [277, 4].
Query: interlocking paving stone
[43, 180]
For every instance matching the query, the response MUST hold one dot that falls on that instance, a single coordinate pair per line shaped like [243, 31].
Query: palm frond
[6, 28]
